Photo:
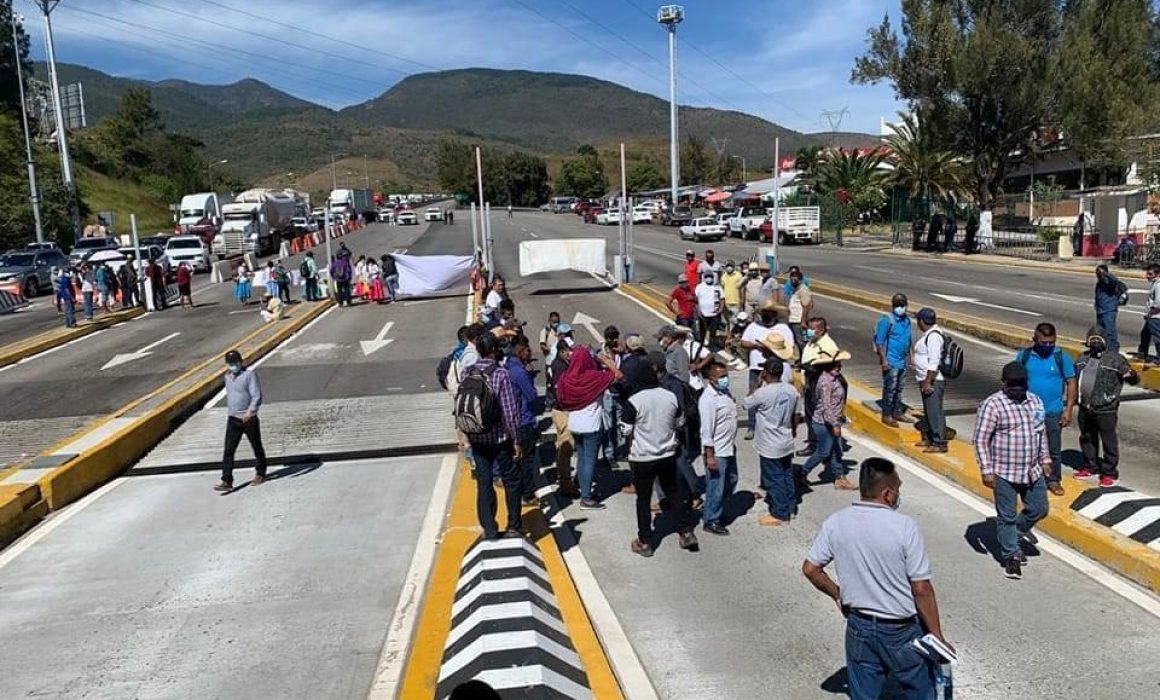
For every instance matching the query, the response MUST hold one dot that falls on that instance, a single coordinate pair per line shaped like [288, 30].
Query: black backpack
[476, 408]
[444, 370]
[304, 269]
[953, 358]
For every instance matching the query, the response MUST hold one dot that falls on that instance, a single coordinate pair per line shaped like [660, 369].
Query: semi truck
[351, 203]
[255, 222]
[200, 214]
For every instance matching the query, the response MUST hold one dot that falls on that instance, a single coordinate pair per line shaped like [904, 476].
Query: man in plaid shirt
[1011, 448]
[498, 451]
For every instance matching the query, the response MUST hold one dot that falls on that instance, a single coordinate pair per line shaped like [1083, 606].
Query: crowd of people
[97, 287]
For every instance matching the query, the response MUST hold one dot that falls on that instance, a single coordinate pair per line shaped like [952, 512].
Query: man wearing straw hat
[775, 404]
[829, 415]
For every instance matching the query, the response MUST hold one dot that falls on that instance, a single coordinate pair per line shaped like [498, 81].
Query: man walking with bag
[243, 399]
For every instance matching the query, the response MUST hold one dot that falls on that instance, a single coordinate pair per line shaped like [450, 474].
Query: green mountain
[268, 134]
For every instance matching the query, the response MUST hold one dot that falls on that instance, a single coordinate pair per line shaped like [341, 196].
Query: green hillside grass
[103, 193]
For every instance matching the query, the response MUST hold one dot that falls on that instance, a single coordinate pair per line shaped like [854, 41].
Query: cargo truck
[351, 203]
[255, 222]
[200, 214]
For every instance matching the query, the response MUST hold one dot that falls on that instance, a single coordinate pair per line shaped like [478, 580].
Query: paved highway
[155, 586]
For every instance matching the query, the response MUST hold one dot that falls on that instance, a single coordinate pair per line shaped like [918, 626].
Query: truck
[200, 214]
[747, 222]
[795, 225]
[255, 222]
[350, 203]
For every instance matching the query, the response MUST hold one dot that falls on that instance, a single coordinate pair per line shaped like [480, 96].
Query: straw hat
[781, 349]
[824, 358]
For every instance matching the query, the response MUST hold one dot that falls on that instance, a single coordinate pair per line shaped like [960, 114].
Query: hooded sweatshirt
[1101, 377]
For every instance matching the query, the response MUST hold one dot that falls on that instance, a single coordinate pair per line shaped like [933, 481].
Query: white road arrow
[369, 347]
[127, 357]
[976, 302]
[583, 319]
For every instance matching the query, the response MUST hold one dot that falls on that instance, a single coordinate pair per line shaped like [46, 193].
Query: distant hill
[267, 134]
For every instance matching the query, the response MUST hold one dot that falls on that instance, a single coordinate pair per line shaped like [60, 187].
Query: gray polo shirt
[776, 405]
[243, 393]
[878, 551]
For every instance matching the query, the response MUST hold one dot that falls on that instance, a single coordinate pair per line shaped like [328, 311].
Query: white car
[407, 218]
[642, 214]
[301, 224]
[191, 250]
[608, 217]
[724, 216]
[705, 228]
[433, 214]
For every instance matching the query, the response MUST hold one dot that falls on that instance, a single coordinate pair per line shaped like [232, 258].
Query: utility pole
[622, 233]
[776, 201]
[744, 168]
[33, 189]
[366, 171]
[46, 7]
[671, 16]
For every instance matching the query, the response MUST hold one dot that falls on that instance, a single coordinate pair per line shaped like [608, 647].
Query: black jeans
[492, 461]
[312, 289]
[284, 291]
[342, 292]
[677, 496]
[529, 441]
[1095, 428]
[709, 327]
[936, 419]
[235, 428]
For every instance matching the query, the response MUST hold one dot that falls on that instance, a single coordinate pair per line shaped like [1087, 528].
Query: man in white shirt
[495, 297]
[776, 404]
[718, 437]
[710, 304]
[710, 266]
[928, 353]
[1150, 333]
[753, 340]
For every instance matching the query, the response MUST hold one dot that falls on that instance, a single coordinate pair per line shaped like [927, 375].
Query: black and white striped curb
[1128, 512]
[11, 302]
[506, 627]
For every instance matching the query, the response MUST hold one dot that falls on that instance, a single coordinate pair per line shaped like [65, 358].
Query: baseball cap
[926, 315]
[634, 341]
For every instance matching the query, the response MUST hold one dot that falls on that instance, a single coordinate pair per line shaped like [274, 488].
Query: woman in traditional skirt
[361, 288]
[243, 288]
[271, 281]
[375, 273]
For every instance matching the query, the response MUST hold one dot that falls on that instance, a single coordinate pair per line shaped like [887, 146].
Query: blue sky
[794, 57]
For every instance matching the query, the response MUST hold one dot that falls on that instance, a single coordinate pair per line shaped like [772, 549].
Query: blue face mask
[723, 384]
[1043, 350]
[810, 334]
[236, 369]
[900, 311]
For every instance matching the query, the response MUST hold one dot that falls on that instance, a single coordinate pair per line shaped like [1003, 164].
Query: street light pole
[366, 171]
[33, 189]
[46, 7]
[671, 16]
[209, 170]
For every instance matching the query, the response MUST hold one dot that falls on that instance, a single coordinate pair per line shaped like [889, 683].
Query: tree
[645, 175]
[455, 165]
[854, 180]
[583, 176]
[588, 150]
[1105, 88]
[806, 162]
[726, 170]
[9, 89]
[695, 162]
[525, 179]
[922, 166]
[982, 71]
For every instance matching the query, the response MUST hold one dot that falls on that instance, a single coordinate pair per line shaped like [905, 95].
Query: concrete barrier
[222, 271]
[11, 300]
[21, 507]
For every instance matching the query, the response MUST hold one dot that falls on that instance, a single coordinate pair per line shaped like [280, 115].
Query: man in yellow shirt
[731, 282]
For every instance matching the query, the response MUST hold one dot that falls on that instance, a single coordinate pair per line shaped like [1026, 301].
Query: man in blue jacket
[892, 345]
[531, 406]
[1108, 291]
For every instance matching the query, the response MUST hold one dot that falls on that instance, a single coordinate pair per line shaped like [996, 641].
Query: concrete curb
[48, 340]
[1021, 264]
[84, 472]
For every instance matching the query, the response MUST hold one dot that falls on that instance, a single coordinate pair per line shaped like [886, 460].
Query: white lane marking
[1107, 502]
[1080, 563]
[54, 521]
[583, 319]
[1138, 520]
[402, 625]
[380, 341]
[127, 357]
[957, 284]
[878, 270]
[242, 311]
[533, 234]
[58, 348]
[261, 360]
[971, 300]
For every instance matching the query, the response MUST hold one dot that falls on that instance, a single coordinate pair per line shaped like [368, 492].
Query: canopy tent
[719, 196]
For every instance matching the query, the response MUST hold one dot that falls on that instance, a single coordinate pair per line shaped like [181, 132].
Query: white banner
[433, 275]
[580, 254]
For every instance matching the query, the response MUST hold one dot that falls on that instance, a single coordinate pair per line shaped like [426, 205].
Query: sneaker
[641, 548]
[223, 487]
[512, 535]
[1013, 570]
[748, 434]
[715, 529]
[689, 542]
[805, 452]
[906, 418]
[1030, 538]
[1083, 474]
[770, 521]
[589, 504]
[1106, 481]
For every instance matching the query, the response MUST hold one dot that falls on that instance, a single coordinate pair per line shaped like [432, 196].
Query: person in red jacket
[692, 266]
[683, 302]
[184, 281]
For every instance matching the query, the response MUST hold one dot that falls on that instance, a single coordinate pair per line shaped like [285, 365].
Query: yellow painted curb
[1133, 559]
[21, 507]
[48, 340]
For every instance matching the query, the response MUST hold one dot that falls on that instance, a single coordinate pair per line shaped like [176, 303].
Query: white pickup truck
[703, 229]
[746, 222]
[798, 225]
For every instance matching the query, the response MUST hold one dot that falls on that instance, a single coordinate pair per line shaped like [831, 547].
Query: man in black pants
[243, 398]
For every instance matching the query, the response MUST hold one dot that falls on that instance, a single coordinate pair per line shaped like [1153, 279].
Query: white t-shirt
[589, 419]
[708, 296]
[494, 299]
[928, 353]
[756, 333]
[696, 353]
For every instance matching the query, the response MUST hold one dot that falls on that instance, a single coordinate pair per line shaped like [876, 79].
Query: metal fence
[1138, 256]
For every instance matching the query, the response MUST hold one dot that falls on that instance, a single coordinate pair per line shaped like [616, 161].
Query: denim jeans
[829, 450]
[876, 649]
[1054, 445]
[686, 454]
[892, 383]
[70, 313]
[777, 480]
[610, 438]
[936, 417]
[1149, 335]
[88, 297]
[1107, 319]
[1009, 525]
[492, 461]
[719, 486]
[587, 454]
[392, 283]
[754, 384]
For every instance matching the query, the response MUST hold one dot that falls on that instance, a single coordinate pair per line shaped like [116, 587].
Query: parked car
[191, 250]
[433, 214]
[705, 228]
[160, 240]
[407, 218]
[723, 217]
[301, 224]
[591, 214]
[642, 214]
[153, 253]
[676, 216]
[85, 247]
[31, 270]
[747, 222]
[47, 245]
[609, 217]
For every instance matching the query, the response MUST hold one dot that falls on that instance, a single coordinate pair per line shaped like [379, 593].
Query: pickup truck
[703, 229]
[747, 221]
[795, 225]
[678, 216]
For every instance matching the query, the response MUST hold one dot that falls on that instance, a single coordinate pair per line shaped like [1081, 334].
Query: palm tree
[854, 179]
[921, 166]
[806, 162]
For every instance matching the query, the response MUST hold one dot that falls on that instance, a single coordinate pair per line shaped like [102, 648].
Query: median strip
[24, 349]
